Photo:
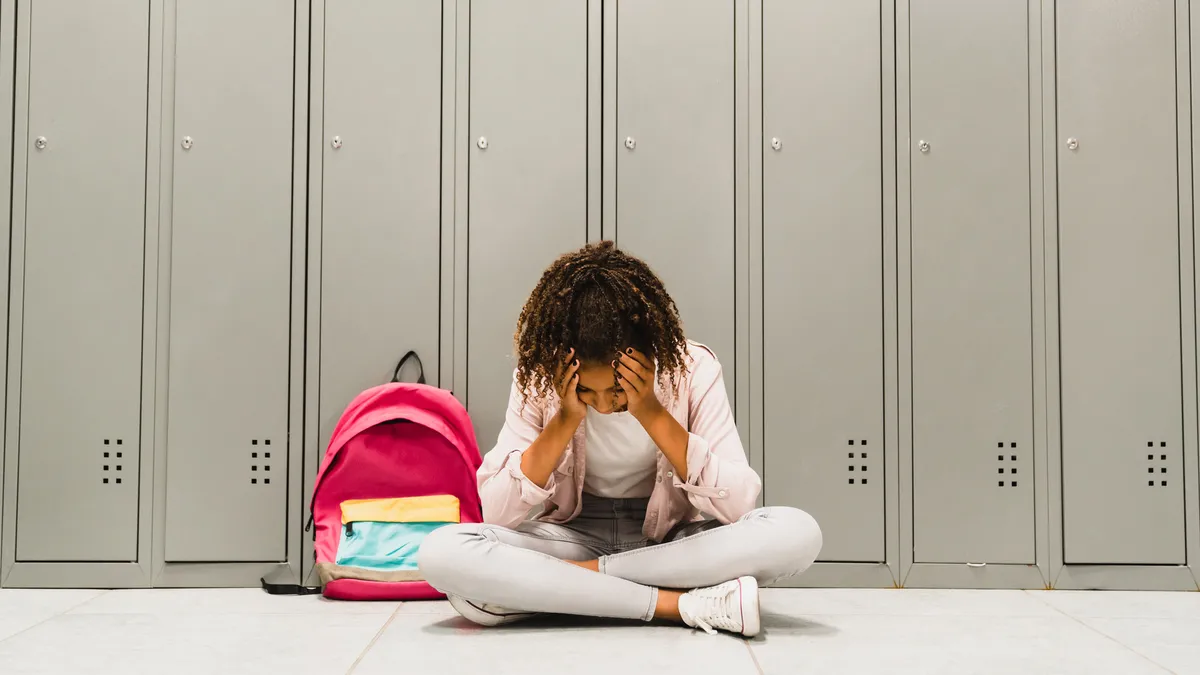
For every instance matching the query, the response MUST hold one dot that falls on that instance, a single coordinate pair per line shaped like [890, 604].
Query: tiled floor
[226, 632]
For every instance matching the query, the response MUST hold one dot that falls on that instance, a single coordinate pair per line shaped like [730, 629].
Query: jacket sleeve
[720, 482]
[506, 494]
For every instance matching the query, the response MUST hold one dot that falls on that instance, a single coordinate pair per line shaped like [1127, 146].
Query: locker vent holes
[1007, 464]
[1156, 464]
[260, 466]
[112, 465]
[858, 465]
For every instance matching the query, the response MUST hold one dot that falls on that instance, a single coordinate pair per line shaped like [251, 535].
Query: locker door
[231, 251]
[81, 327]
[381, 203]
[675, 163]
[1122, 407]
[972, 356]
[528, 199]
[82, 316]
[823, 274]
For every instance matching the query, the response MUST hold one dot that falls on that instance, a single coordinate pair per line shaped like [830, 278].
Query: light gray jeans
[522, 570]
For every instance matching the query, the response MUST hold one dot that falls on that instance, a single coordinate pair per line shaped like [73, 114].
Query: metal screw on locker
[1072, 143]
[336, 143]
[923, 146]
[776, 144]
[482, 143]
[186, 143]
[630, 142]
[40, 143]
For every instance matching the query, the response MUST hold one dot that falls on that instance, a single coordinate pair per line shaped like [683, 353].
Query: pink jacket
[720, 482]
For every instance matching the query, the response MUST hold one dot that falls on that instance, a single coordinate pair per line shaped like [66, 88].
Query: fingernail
[614, 364]
[575, 362]
[629, 351]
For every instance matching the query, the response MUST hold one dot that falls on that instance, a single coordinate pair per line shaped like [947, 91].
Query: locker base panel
[842, 575]
[1127, 578]
[940, 575]
[223, 575]
[75, 575]
[133, 575]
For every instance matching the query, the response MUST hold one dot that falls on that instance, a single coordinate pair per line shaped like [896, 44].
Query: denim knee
[444, 556]
[791, 542]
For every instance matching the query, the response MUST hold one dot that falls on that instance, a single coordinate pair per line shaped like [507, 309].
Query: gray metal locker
[675, 164]
[823, 269]
[972, 359]
[1119, 277]
[381, 203]
[528, 176]
[80, 326]
[230, 307]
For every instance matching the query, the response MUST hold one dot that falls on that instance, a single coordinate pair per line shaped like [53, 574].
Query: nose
[602, 406]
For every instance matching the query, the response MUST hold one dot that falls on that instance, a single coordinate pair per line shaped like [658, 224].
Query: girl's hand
[636, 374]
[567, 380]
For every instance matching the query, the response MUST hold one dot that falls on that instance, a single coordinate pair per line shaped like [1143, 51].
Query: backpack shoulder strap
[404, 360]
[278, 583]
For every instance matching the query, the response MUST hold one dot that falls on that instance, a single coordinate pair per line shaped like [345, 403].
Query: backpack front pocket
[385, 535]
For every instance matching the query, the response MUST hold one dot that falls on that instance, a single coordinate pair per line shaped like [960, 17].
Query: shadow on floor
[770, 622]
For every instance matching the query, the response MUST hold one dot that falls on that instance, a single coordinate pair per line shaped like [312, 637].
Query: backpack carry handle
[404, 360]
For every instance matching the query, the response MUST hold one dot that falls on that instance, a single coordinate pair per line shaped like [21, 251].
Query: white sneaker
[731, 606]
[484, 614]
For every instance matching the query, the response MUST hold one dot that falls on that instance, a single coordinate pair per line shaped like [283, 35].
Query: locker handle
[976, 564]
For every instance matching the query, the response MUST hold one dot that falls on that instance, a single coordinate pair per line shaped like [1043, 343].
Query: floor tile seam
[754, 658]
[52, 617]
[375, 638]
[1103, 634]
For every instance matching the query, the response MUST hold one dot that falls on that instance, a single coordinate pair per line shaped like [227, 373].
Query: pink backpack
[400, 464]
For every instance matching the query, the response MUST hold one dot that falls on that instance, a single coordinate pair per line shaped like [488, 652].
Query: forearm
[543, 455]
[670, 437]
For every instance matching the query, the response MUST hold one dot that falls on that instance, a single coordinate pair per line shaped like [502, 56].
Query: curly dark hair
[597, 300]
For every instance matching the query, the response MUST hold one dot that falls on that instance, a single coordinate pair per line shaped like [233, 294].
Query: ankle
[591, 565]
[667, 606]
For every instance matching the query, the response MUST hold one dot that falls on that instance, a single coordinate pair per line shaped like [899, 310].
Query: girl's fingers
[628, 376]
[639, 357]
[564, 367]
[571, 373]
[633, 365]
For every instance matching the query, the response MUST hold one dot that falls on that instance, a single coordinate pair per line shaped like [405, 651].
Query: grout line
[52, 617]
[754, 658]
[375, 638]
[1099, 632]
[97, 596]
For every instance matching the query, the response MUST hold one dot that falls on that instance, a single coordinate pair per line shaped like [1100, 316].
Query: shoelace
[718, 609]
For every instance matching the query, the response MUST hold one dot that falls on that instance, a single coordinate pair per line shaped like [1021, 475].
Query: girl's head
[597, 301]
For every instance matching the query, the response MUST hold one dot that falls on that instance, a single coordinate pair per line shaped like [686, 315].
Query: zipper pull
[349, 529]
[308, 527]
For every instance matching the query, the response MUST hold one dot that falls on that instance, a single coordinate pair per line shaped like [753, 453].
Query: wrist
[569, 420]
[649, 413]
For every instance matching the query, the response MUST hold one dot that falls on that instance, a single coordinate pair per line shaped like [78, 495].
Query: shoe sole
[483, 617]
[751, 621]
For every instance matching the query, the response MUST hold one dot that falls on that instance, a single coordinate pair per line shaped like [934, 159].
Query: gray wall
[944, 251]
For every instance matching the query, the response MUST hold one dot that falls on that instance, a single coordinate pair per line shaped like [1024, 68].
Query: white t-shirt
[621, 456]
